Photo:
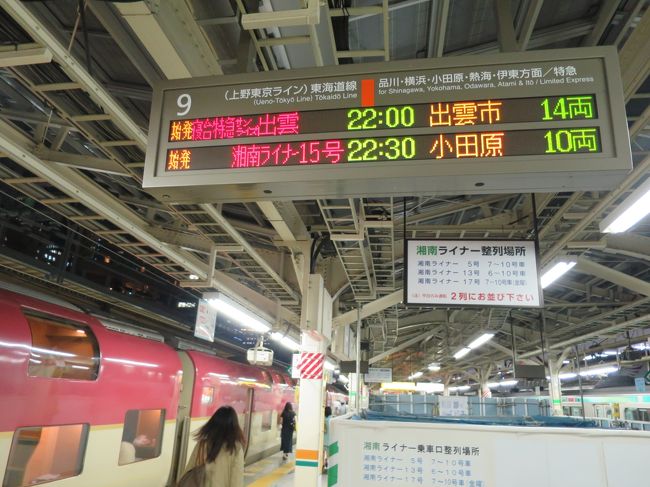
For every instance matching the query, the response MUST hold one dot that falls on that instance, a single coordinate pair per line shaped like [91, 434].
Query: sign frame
[464, 176]
[487, 304]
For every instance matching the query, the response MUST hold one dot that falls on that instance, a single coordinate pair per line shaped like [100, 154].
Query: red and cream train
[84, 405]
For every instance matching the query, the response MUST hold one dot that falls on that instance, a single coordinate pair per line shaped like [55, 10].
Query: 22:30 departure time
[465, 145]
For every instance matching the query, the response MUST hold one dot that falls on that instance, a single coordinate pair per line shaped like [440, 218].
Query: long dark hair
[288, 408]
[222, 429]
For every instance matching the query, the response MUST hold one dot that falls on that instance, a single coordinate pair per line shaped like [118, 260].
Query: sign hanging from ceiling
[534, 121]
[471, 272]
[379, 374]
[206, 321]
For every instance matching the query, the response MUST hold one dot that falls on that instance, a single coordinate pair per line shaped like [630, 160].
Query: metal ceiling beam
[250, 250]
[369, 309]
[438, 19]
[23, 55]
[505, 27]
[605, 16]
[20, 149]
[625, 280]
[286, 220]
[634, 59]
[172, 37]
[628, 244]
[125, 39]
[641, 169]
[16, 146]
[401, 346]
[543, 37]
[283, 18]
[527, 24]
[607, 330]
[449, 209]
[30, 23]
[89, 163]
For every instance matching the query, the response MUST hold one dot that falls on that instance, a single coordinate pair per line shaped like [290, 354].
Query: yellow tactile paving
[270, 479]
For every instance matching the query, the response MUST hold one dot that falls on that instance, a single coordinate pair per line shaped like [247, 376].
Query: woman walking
[288, 426]
[219, 450]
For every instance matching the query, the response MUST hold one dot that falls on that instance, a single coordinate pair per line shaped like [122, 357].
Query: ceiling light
[462, 352]
[556, 271]
[632, 210]
[286, 341]
[598, 371]
[235, 312]
[434, 367]
[567, 375]
[194, 277]
[416, 375]
[459, 388]
[398, 386]
[429, 387]
[485, 337]
[344, 379]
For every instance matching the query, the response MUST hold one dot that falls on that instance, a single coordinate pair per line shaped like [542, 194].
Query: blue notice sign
[639, 383]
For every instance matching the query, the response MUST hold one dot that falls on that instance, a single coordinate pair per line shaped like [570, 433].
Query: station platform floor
[273, 472]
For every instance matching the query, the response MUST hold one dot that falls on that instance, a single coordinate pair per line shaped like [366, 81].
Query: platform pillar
[316, 326]
[555, 391]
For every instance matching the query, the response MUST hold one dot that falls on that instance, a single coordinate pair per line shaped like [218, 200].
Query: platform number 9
[184, 102]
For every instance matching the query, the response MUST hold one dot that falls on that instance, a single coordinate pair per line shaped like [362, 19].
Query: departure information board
[546, 121]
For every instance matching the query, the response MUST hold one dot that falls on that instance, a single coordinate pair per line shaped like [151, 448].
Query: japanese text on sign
[496, 273]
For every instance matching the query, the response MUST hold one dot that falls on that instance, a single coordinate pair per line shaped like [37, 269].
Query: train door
[248, 418]
[603, 411]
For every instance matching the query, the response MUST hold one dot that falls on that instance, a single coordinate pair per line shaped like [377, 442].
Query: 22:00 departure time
[380, 117]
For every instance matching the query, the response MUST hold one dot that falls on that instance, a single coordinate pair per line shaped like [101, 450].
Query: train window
[45, 453]
[267, 420]
[207, 395]
[142, 435]
[62, 349]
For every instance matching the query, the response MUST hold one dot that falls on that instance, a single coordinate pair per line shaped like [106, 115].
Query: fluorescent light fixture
[509, 382]
[416, 375]
[567, 375]
[462, 352]
[194, 277]
[234, 311]
[434, 367]
[343, 379]
[556, 271]
[429, 387]
[286, 341]
[598, 371]
[459, 388]
[398, 386]
[485, 337]
[629, 212]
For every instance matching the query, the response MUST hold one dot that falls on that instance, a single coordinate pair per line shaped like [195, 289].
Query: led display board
[535, 121]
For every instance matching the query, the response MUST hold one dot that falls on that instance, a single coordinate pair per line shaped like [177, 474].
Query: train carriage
[86, 405]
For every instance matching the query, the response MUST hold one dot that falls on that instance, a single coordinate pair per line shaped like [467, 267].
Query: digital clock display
[417, 116]
[461, 145]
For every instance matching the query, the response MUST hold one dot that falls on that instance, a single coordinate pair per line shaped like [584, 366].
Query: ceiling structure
[75, 95]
